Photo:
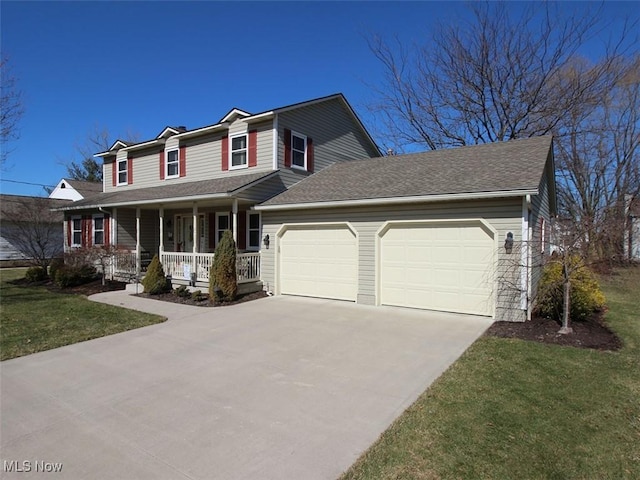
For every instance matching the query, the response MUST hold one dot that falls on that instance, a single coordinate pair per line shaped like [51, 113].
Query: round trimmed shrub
[585, 296]
[35, 274]
[155, 281]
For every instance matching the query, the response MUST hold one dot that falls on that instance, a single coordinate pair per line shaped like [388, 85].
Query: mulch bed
[592, 333]
[172, 297]
[87, 289]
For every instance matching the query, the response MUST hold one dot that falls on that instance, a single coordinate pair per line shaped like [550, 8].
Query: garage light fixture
[508, 242]
[266, 241]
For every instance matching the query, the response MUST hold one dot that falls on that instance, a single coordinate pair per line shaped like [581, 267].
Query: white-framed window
[122, 171]
[98, 230]
[76, 231]
[298, 150]
[173, 164]
[238, 151]
[223, 222]
[253, 230]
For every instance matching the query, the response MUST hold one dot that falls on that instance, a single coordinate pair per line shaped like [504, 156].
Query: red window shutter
[253, 148]
[107, 230]
[86, 231]
[287, 147]
[183, 161]
[69, 233]
[162, 167]
[225, 152]
[130, 171]
[242, 230]
[114, 172]
[212, 231]
[309, 154]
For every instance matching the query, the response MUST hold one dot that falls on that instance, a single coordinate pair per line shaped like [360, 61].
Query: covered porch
[184, 236]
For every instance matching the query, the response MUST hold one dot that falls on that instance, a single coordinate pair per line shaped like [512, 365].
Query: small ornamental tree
[222, 277]
[155, 281]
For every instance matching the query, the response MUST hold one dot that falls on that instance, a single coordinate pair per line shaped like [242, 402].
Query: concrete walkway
[279, 388]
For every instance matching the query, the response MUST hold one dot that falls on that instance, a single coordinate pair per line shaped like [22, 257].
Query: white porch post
[114, 227]
[235, 221]
[138, 252]
[194, 262]
[161, 215]
[195, 228]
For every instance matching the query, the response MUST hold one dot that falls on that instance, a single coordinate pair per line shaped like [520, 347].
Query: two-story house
[177, 193]
[316, 211]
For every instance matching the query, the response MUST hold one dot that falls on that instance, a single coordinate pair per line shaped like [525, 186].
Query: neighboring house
[75, 189]
[425, 230]
[632, 232]
[316, 211]
[27, 224]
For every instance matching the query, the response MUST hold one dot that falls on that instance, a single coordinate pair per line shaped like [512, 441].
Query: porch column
[235, 221]
[196, 238]
[138, 248]
[114, 227]
[161, 215]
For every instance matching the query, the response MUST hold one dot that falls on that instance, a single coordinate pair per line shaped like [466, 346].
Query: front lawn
[33, 319]
[519, 409]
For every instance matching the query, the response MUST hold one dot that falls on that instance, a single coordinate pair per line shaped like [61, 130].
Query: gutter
[398, 200]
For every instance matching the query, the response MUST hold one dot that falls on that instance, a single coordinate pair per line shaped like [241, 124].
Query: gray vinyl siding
[336, 137]
[203, 158]
[540, 209]
[126, 236]
[504, 215]
[149, 230]
[264, 190]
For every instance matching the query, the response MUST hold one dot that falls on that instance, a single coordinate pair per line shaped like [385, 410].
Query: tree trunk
[566, 305]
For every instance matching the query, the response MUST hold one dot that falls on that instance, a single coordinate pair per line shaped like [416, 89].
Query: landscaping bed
[591, 333]
[204, 299]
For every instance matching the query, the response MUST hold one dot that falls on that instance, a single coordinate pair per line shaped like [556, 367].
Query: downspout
[529, 258]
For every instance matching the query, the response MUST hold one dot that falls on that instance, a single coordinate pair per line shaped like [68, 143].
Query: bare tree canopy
[500, 76]
[494, 78]
[11, 109]
[83, 165]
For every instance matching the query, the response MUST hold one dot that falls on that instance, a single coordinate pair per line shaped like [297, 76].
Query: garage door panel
[439, 267]
[319, 262]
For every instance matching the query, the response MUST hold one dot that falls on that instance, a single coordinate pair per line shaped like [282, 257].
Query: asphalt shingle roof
[14, 205]
[496, 167]
[217, 186]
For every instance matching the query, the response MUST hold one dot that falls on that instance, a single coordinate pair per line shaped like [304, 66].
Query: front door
[185, 234]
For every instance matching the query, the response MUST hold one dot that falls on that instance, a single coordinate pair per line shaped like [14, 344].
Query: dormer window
[298, 150]
[238, 151]
[173, 164]
[122, 171]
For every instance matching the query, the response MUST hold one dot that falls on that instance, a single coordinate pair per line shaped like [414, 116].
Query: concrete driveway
[280, 388]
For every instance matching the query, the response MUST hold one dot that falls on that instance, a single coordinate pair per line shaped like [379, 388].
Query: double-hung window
[253, 231]
[238, 151]
[98, 230]
[173, 164]
[122, 171]
[223, 222]
[76, 232]
[298, 150]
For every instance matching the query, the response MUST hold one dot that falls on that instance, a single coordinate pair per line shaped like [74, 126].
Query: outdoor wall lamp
[508, 242]
[266, 241]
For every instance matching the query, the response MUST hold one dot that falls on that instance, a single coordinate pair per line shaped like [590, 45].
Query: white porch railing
[181, 265]
[248, 267]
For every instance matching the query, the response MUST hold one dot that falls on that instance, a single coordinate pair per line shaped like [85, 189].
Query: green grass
[511, 409]
[33, 319]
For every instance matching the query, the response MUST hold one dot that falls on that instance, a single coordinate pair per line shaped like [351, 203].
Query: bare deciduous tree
[33, 228]
[501, 76]
[83, 165]
[11, 109]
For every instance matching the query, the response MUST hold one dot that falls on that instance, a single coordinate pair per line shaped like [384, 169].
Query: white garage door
[319, 261]
[438, 266]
